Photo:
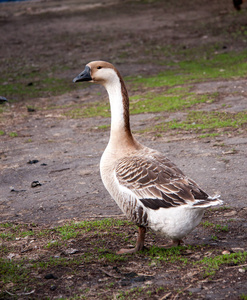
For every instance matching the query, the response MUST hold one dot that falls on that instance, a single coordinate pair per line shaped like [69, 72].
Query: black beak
[3, 99]
[84, 76]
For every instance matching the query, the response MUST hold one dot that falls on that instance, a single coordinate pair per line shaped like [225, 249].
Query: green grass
[104, 127]
[206, 135]
[15, 272]
[89, 226]
[89, 110]
[217, 227]
[203, 122]
[32, 85]
[223, 228]
[172, 100]
[168, 101]
[207, 224]
[18, 271]
[13, 134]
[176, 78]
[213, 66]
[23, 274]
[212, 264]
[171, 255]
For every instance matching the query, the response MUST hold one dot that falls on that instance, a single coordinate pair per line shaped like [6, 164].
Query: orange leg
[139, 243]
[174, 243]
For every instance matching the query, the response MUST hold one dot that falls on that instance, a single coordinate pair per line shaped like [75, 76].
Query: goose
[150, 190]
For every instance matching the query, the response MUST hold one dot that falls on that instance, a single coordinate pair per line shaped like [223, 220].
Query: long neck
[119, 102]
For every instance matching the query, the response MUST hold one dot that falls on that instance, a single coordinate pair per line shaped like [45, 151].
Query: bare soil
[67, 151]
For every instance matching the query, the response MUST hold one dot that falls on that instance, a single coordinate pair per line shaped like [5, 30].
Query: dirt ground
[67, 151]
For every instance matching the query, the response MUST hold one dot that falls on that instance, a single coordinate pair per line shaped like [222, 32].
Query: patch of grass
[201, 121]
[212, 66]
[68, 230]
[104, 127]
[54, 244]
[214, 237]
[6, 225]
[24, 274]
[133, 293]
[223, 228]
[7, 236]
[207, 224]
[90, 110]
[13, 134]
[31, 84]
[28, 140]
[171, 255]
[212, 264]
[15, 272]
[214, 134]
[2, 132]
[170, 101]
[174, 99]
[224, 207]
[112, 257]
[217, 227]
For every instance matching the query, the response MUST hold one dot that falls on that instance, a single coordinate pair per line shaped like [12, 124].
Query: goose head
[98, 72]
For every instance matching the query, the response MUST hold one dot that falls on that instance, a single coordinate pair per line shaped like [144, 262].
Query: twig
[60, 170]
[109, 273]
[20, 294]
[175, 297]
[165, 296]
[237, 266]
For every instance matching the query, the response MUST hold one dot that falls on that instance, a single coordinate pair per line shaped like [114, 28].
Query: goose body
[150, 190]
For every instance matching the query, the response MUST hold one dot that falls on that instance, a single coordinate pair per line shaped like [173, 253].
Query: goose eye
[99, 67]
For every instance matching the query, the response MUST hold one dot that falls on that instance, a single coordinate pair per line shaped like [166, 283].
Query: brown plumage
[150, 189]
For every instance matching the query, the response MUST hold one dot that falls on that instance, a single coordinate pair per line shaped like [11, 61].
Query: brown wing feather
[157, 182]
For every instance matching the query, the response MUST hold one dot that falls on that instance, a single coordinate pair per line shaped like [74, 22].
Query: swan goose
[150, 190]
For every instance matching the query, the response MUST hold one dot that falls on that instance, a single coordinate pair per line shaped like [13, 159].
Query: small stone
[31, 109]
[238, 249]
[34, 161]
[241, 270]
[226, 252]
[230, 214]
[53, 287]
[11, 255]
[50, 276]
[35, 184]
[3, 100]
[70, 251]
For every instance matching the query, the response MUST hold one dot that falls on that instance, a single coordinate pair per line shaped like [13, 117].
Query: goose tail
[210, 201]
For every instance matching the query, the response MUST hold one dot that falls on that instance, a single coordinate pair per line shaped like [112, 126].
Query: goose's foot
[237, 4]
[139, 243]
[174, 243]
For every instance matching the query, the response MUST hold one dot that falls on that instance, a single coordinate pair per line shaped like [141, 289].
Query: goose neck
[119, 103]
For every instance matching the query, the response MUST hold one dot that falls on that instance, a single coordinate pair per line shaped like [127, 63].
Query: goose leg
[174, 243]
[139, 243]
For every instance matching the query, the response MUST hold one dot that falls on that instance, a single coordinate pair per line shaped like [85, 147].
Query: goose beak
[3, 99]
[84, 75]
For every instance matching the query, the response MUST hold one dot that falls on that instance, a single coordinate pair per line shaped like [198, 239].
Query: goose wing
[157, 182]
